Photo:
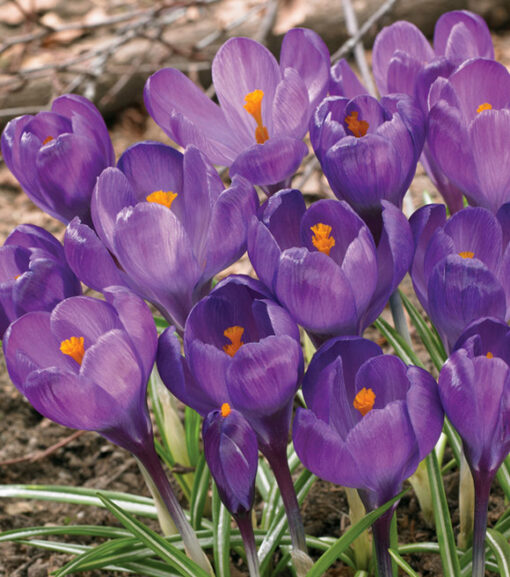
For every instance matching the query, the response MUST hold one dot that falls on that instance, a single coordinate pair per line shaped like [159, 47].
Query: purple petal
[384, 446]
[264, 252]
[272, 162]
[386, 376]
[68, 168]
[305, 51]
[322, 451]
[263, 377]
[490, 139]
[151, 166]
[461, 291]
[290, 106]
[344, 82]
[188, 116]
[461, 35]
[241, 66]
[83, 316]
[231, 451]
[423, 224]
[153, 248]
[424, 409]
[29, 345]
[89, 259]
[138, 322]
[86, 121]
[282, 214]
[112, 194]
[316, 305]
[227, 233]
[392, 39]
[363, 171]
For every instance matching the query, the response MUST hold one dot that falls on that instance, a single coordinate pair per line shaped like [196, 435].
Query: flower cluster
[159, 224]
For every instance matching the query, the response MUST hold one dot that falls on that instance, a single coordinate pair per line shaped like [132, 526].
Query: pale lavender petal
[344, 82]
[241, 66]
[305, 51]
[290, 106]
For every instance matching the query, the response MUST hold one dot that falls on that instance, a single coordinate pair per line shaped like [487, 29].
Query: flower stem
[482, 490]
[152, 464]
[399, 319]
[246, 530]
[277, 458]
[381, 532]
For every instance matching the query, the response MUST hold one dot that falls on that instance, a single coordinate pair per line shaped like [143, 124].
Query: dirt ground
[90, 461]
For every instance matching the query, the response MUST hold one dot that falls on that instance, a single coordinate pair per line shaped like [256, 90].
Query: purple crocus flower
[370, 421]
[169, 222]
[469, 132]
[323, 264]
[459, 267]
[231, 452]
[264, 108]
[368, 149]
[34, 274]
[242, 349]
[57, 155]
[86, 365]
[404, 62]
[474, 386]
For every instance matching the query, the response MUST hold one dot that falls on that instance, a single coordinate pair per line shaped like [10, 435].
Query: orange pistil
[162, 197]
[74, 348]
[364, 401]
[47, 139]
[321, 239]
[357, 127]
[225, 410]
[253, 105]
[489, 355]
[484, 106]
[466, 254]
[234, 335]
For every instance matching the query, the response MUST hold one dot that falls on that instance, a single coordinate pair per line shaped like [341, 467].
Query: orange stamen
[162, 197]
[234, 335]
[357, 127]
[321, 239]
[225, 410]
[253, 105]
[47, 139]
[364, 401]
[489, 355]
[74, 348]
[466, 254]
[484, 106]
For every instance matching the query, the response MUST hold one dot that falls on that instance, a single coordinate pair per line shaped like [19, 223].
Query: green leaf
[404, 565]
[221, 535]
[161, 547]
[444, 530]
[161, 324]
[331, 555]
[199, 492]
[397, 341]
[501, 549]
[428, 337]
[81, 530]
[503, 477]
[192, 422]
[81, 496]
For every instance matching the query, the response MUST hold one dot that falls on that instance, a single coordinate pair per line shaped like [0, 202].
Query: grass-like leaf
[192, 422]
[199, 492]
[428, 337]
[397, 341]
[161, 547]
[501, 549]
[331, 555]
[81, 496]
[503, 477]
[404, 565]
[444, 530]
[221, 535]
